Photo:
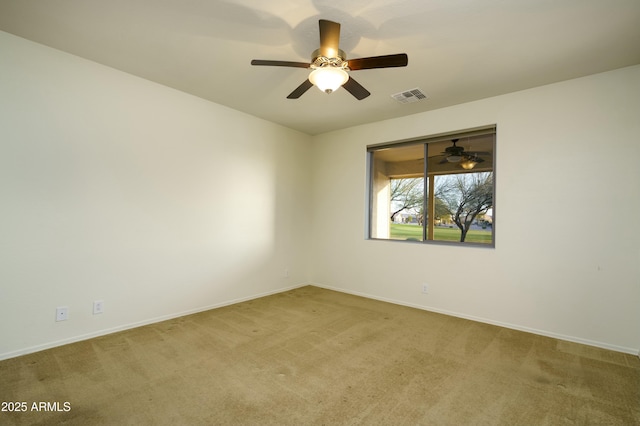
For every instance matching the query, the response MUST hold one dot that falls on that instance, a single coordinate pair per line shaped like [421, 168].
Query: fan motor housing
[318, 60]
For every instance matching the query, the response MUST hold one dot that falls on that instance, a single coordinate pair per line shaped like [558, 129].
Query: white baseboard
[616, 348]
[103, 332]
[161, 318]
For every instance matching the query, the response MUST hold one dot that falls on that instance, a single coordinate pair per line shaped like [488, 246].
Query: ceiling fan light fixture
[328, 78]
[329, 65]
[453, 158]
[468, 164]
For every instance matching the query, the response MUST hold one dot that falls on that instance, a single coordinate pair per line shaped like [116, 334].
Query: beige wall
[118, 189]
[567, 153]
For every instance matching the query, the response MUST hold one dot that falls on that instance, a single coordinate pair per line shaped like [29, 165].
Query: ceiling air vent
[409, 96]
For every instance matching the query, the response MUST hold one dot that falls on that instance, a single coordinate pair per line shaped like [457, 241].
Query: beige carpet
[316, 357]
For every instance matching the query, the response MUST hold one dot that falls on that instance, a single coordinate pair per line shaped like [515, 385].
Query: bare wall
[567, 255]
[114, 188]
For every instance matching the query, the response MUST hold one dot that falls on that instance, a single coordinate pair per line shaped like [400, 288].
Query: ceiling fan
[330, 67]
[457, 154]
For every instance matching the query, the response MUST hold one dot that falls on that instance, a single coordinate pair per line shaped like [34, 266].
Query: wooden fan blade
[356, 89]
[329, 38]
[306, 85]
[386, 61]
[279, 63]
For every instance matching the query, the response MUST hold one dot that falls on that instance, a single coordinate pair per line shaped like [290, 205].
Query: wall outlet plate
[425, 288]
[62, 313]
[98, 307]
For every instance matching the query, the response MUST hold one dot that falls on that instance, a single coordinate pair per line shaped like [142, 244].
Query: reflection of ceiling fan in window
[466, 159]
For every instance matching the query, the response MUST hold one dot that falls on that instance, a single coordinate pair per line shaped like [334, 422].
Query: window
[448, 198]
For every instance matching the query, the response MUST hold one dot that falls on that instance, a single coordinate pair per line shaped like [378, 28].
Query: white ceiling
[459, 50]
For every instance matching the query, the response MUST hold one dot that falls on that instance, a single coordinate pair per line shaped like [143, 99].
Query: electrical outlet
[98, 307]
[425, 288]
[286, 272]
[62, 313]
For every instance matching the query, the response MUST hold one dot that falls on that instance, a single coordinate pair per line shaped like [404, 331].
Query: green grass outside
[414, 232]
